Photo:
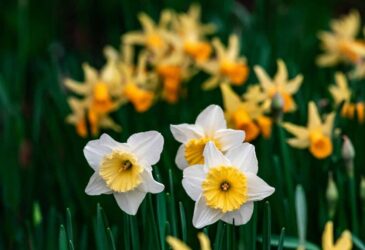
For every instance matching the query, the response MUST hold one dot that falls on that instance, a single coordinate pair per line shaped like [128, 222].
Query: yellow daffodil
[152, 36]
[177, 244]
[190, 34]
[341, 44]
[225, 186]
[138, 84]
[124, 169]
[280, 84]
[343, 243]
[81, 117]
[316, 136]
[341, 94]
[210, 125]
[247, 116]
[228, 66]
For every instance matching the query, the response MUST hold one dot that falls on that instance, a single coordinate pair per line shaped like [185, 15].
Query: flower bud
[348, 155]
[277, 106]
[331, 196]
[362, 190]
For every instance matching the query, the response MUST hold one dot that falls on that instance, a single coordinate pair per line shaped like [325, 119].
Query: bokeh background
[42, 167]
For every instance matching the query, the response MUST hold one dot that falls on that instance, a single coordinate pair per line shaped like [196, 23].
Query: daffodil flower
[340, 44]
[341, 94]
[124, 169]
[316, 136]
[343, 243]
[177, 244]
[225, 187]
[210, 126]
[228, 67]
[280, 84]
[245, 115]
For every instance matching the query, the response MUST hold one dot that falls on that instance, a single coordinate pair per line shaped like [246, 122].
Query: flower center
[154, 41]
[243, 121]
[225, 188]
[236, 72]
[288, 102]
[140, 98]
[352, 50]
[194, 150]
[200, 51]
[320, 145]
[120, 171]
[101, 102]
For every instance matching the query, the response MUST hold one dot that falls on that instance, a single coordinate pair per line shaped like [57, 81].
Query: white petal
[95, 150]
[213, 157]
[244, 157]
[257, 189]
[185, 132]
[97, 186]
[204, 215]
[180, 158]
[192, 180]
[147, 146]
[129, 201]
[211, 119]
[229, 138]
[241, 216]
[150, 185]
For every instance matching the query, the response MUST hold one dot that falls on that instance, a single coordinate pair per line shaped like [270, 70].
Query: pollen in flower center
[225, 188]
[120, 171]
[194, 150]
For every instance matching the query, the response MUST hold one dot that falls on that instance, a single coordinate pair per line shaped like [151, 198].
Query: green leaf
[301, 211]
[281, 239]
[266, 227]
[62, 239]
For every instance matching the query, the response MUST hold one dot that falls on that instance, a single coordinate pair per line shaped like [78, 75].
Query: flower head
[226, 186]
[210, 126]
[340, 44]
[228, 66]
[124, 169]
[343, 243]
[245, 115]
[280, 84]
[316, 136]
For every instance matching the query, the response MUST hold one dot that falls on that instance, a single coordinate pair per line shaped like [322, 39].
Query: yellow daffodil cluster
[171, 51]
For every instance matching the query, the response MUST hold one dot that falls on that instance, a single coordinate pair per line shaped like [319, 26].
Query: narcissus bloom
[280, 84]
[210, 126]
[316, 136]
[343, 243]
[341, 44]
[225, 187]
[341, 94]
[124, 169]
[228, 66]
[177, 244]
[245, 115]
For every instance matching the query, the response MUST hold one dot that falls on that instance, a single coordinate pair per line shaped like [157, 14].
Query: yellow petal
[204, 241]
[298, 143]
[282, 73]
[211, 83]
[219, 48]
[327, 60]
[327, 237]
[147, 23]
[328, 124]
[344, 242]
[176, 244]
[231, 100]
[294, 84]
[314, 120]
[347, 26]
[77, 87]
[297, 131]
[264, 79]
[233, 47]
[91, 74]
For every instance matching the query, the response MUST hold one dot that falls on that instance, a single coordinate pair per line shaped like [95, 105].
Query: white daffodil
[210, 125]
[226, 186]
[124, 169]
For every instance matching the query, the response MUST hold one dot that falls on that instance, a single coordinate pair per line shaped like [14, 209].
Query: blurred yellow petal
[327, 236]
[282, 73]
[264, 79]
[211, 83]
[77, 87]
[328, 124]
[297, 131]
[91, 74]
[314, 120]
[219, 48]
[327, 60]
[298, 143]
[344, 242]
[147, 23]
[265, 125]
[204, 241]
[293, 85]
[231, 100]
[233, 47]
[176, 244]
[347, 26]
[360, 108]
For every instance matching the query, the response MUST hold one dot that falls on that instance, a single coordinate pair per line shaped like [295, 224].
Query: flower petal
[244, 157]
[95, 150]
[257, 189]
[129, 201]
[97, 186]
[213, 157]
[241, 216]
[204, 215]
[180, 158]
[185, 132]
[147, 146]
[282, 72]
[314, 120]
[211, 119]
[192, 180]
[149, 184]
[229, 138]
